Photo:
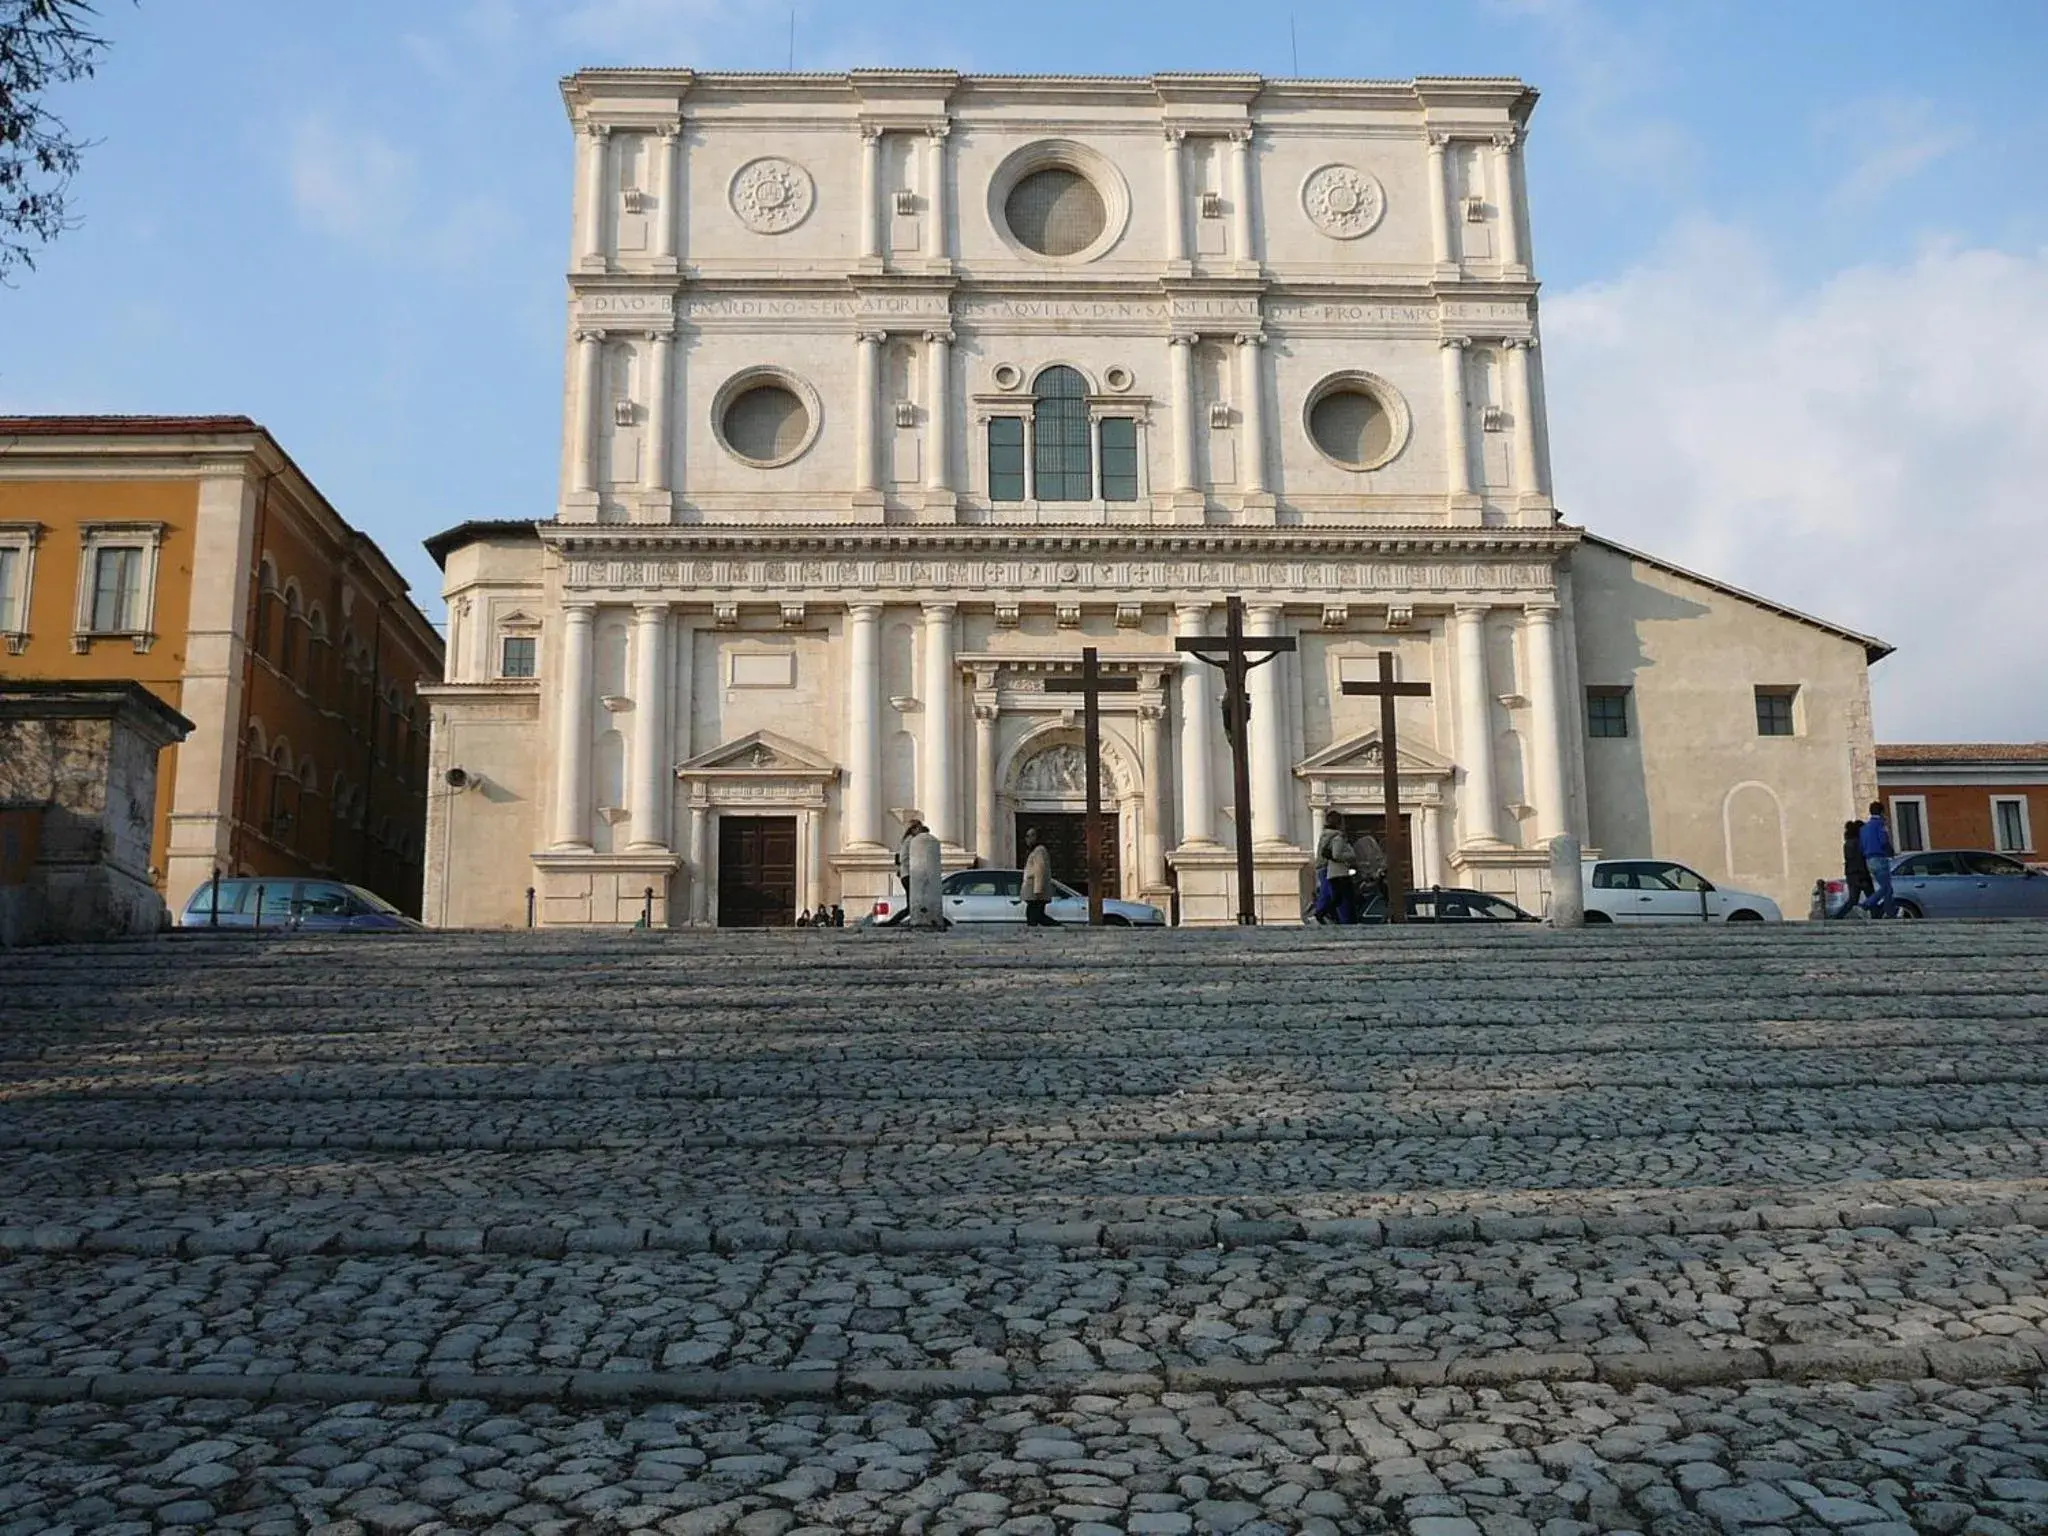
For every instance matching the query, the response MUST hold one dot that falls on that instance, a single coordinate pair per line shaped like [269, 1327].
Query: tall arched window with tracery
[1059, 436]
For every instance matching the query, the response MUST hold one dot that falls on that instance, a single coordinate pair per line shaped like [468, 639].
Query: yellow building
[190, 554]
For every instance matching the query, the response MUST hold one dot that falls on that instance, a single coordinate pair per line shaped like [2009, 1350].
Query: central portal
[1065, 835]
[756, 871]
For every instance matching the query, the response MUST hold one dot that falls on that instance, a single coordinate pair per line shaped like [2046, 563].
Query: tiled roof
[120, 426]
[1940, 753]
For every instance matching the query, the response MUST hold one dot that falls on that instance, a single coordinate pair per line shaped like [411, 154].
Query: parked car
[997, 896]
[1966, 882]
[310, 906]
[1661, 891]
[1449, 904]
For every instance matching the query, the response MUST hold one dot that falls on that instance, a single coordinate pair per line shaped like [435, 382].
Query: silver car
[1967, 882]
[997, 896]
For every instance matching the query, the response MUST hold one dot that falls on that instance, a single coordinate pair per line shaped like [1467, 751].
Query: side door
[1934, 883]
[985, 896]
[1703, 902]
[2001, 885]
[1659, 898]
[323, 905]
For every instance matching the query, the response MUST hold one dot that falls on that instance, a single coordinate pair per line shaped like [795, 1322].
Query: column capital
[586, 333]
[1518, 343]
[987, 714]
[1182, 338]
[1175, 137]
[1192, 611]
[598, 131]
[1239, 136]
[1470, 612]
[940, 612]
[1460, 342]
[579, 610]
[649, 612]
[871, 338]
[870, 133]
[939, 336]
[865, 610]
[1541, 613]
[1251, 338]
[658, 336]
[1439, 140]
[939, 132]
[671, 132]
[1506, 139]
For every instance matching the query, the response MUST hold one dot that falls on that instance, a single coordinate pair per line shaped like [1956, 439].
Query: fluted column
[1527, 478]
[660, 365]
[572, 729]
[1272, 818]
[648, 825]
[700, 864]
[583, 435]
[1477, 813]
[1431, 870]
[1197, 720]
[1504, 190]
[1546, 723]
[1152, 831]
[1440, 199]
[939, 801]
[1241, 197]
[1180, 349]
[861, 806]
[667, 208]
[814, 860]
[868, 389]
[596, 173]
[1252, 390]
[1457, 419]
[938, 410]
[985, 716]
[1176, 198]
[871, 193]
[936, 198]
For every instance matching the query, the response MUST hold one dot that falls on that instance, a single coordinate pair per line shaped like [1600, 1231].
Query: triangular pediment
[758, 752]
[1361, 754]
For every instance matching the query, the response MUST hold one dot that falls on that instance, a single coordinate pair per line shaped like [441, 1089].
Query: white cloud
[1873, 450]
[1888, 141]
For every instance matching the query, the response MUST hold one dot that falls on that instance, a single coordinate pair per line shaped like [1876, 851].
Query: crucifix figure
[1091, 686]
[1390, 780]
[1231, 653]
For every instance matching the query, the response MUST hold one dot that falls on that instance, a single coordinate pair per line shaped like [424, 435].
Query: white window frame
[22, 538]
[94, 537]
[1899, 824]
[2026, 824]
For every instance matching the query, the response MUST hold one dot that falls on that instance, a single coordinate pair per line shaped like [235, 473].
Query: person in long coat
[1856, 882]
[1037, 881]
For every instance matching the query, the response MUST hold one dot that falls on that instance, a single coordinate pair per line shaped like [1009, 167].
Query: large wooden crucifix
[1091, 685]
[1231, 654]
[1390, 780]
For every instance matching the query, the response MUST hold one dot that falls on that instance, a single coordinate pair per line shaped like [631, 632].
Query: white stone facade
[887, 392]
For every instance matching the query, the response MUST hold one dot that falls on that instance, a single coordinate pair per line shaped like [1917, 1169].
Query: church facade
[888, 392]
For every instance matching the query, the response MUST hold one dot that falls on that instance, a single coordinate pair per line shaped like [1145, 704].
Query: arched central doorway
[1048, 790]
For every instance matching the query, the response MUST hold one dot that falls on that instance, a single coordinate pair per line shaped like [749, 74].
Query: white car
[1661, 891]
[997, 896]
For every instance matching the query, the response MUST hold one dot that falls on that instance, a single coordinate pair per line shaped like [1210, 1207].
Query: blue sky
[1795, 259]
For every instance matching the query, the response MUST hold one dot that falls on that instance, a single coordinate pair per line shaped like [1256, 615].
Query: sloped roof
[1942, 754]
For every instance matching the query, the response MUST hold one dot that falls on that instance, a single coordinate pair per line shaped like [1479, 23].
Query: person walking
[1037, 881]
[903, 856]
[1875, 843]
[1335, 902]
[1855, 873]
[1368, 873]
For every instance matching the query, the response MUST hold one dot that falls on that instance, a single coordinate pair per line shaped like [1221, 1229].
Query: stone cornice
[585, 540]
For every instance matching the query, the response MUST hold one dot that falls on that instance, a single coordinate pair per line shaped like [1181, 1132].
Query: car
[1966, 882]
[1664, 891]
[997, 896]
[284, 902]
[1449, 904]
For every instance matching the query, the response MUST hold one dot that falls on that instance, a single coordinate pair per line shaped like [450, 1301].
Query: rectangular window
[1006, 458]
[1119, 458]
[1607, 713]
[116, 589]
[517, 657]
[1909, 823]
[1774, 711]
[10, 600]
[2009, 829]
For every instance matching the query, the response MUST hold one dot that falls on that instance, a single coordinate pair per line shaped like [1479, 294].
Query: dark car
[1449, 904]
[309, 906]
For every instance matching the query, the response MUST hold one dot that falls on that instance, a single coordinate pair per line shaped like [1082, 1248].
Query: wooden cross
[1231, 654]
[1390, 780]
[1091, 686]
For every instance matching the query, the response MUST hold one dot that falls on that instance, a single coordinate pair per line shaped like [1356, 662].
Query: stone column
[1440, 202]
[1241, 196]
[862, 802]
[1176, 198]
[1477, 803]
[871, 194]
[1152, 832]
[666, 209]
[985, 782]
[1546, 733]
[596, 173]
[1251, 385]
[1197, 720]
[1527, 477]
[1504, 190]
[936, 197]
[583, 436]
[1431, 870]
[868, 390]
[938, 410]
[660, 366]
[648, 827]
[1457, 420]
[572, 728]
[1272, 818]
[1180, 350]
[700, 864]
[814, 860]
[937, 798]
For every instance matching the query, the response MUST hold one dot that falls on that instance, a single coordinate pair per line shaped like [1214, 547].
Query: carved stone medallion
[771, 195]
[1342, 201]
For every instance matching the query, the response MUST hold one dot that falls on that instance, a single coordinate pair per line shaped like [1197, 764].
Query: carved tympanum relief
[772, 195]
[1343, 201]
[1058, 770]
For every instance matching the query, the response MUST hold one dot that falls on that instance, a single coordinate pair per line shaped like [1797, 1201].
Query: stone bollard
[923, 875]
[1567, 884]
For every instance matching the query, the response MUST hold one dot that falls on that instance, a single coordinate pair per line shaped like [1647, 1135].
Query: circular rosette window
[1059, 201]
[1357, 421]
[765, 417]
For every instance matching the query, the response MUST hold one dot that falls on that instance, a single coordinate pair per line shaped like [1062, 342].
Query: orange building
[1967, 795]
[190, 554]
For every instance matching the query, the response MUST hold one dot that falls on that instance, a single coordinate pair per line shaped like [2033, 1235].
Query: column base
[1189, 507]
[575, 888]
[1520, 874]
[1260, 509]
[1466, 508]
[652, 507]
[942, 501]
[867, 873]
[1208, 884]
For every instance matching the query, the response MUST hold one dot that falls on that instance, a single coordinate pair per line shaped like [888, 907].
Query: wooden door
[1375, 825]
[756, 871]
[1064, 834]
